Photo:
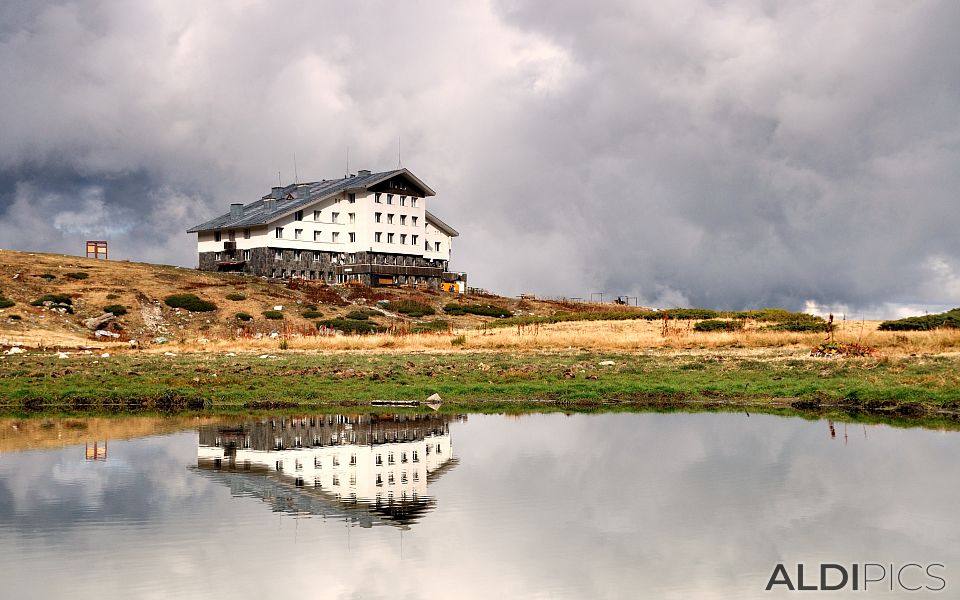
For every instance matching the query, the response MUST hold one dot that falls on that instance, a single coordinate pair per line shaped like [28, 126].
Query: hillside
[141, 288]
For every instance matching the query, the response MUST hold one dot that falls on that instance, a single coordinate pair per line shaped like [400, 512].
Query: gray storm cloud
[716, 154]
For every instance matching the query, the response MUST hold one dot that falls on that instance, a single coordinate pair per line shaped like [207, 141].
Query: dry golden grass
[29, 434]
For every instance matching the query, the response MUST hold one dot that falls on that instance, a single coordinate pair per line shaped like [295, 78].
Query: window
[379, 459]
[390, 460]
[298, 465]
[316, 258]
[413, 202]
[390, 479]
[413, 221]
[216, 256]
[416, 475]
[403, 238]
[278, 255]
[336, 480]
[279, 232]
[389, 238]
[217, 236]
[403, 457]
[334, 217]
[246, 255]
[403, 200]
[376, 198]
[403, 219]
[316, 236]
[298, 255]
[413, 240]
[353, 460]
[389, 198]
[232, 235]
[316, 215]
[390, 219]
[353, 479]
[377, 236]
[379, 479]
[377, 217]
[416, 457]
[352, 217]
[403, 477]
[437, 244]
[335, 237]
[298, 216]
[297, 234]
[336, 460]
[353, 237]
[352, 198]
[246, 234]
[426, 246]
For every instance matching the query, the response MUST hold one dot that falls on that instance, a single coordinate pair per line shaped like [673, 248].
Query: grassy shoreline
[901, 388]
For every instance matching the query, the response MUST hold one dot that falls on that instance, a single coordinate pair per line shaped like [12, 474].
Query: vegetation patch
[460, 340]
[411, 308]
[799, 326]
[483, 310]
[14, 317]
[431, 326]
[312, 314]
[273, 315]
[113, 296]
[718, 325]
[949, 319]
[48, 276]
[77, 276]
[6, 302]
[242, 316]
[350, 326]
[363, 314]
[117, 309]
[189, 302]
[236, 296]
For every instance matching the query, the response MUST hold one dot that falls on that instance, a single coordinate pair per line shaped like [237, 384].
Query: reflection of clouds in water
[674, 505]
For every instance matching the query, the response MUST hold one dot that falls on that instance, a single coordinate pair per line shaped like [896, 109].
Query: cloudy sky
[696, 152]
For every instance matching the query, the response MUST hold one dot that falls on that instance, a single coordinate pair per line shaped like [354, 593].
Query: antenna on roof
[280, 181]
[348, 162]
[399, 164]
[296, 178]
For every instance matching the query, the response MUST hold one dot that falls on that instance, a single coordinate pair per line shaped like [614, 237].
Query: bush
[411, 308]
[117, 309]
[242, 316]
[236, 296]
[189, 302]
[14, 317]
[349, 326]
[113, 296]
[312, 314]
[799, 326]
[430, 326]
[682, 314]
[460, 340]
[48, 277]
[54, 298]
[949, 319]
[273, 314]
[718, 325]
[483, 310]
[77, 275]
[6, 302]
[362, 314]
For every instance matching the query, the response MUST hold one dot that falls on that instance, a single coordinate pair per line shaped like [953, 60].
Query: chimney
[276, 193]
[270, 203]
[236, 211]
[363, 172]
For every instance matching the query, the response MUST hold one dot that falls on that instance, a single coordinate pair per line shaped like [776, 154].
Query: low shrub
[77, 276]
[189, 302]
[273, 314]
[6, 302]
[236, 296]
[349, 326]
[54, 298]
[117, 309]
[682, 314]
[949, 319]
[242, 316]
[431, 326]
[48, 277]
[460, 340]
[14, 317]
[362, 314]
[312, 314]
[718, 325]
[483, 310]
[411, 308]
[113, 296]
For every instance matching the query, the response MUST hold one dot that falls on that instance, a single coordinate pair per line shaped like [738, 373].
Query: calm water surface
[541, 506]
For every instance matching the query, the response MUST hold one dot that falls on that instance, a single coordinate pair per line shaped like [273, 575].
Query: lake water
[540, 506]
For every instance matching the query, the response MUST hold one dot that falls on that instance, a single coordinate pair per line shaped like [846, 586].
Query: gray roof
[436, 222]
[258, 212]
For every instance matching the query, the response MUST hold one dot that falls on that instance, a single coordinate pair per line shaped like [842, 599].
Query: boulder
[97, 323]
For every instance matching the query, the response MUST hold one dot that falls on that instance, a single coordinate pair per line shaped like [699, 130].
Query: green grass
[905, 388]
[189, 302]
[431, 326]
[718, 325]
[949, 319]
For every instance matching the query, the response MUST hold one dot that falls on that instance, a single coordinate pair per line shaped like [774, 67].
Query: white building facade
[373, 228]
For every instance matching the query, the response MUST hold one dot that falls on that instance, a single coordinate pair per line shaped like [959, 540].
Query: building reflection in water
[368, 469]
